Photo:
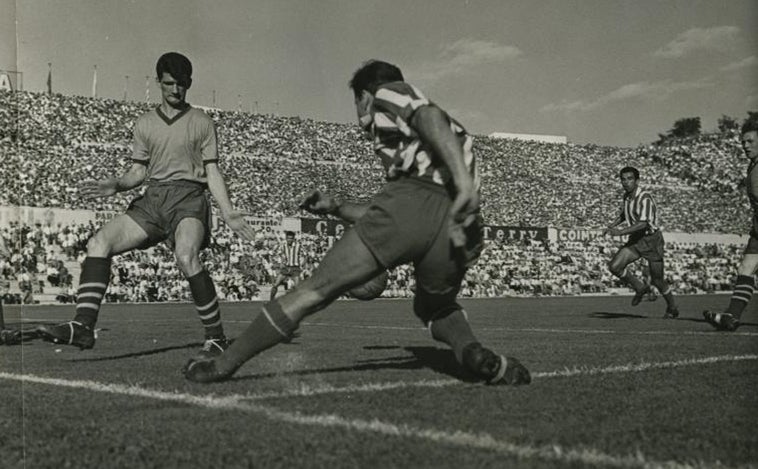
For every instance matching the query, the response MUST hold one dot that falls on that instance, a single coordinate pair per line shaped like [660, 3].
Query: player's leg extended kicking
[119, 235]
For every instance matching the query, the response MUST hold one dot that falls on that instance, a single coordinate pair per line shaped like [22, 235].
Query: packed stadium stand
[50, 143]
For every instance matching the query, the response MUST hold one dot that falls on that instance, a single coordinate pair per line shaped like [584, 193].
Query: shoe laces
[210, 344]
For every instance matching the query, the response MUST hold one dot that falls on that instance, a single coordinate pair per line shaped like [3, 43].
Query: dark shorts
[408, 223]
[163, 205]
[648, 246]
[752, 243]
[291, 271]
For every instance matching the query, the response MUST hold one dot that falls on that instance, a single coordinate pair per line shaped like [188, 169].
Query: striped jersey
[399, 146]
[638, 207]
[291, 254]
[175, 148]
[752, 192]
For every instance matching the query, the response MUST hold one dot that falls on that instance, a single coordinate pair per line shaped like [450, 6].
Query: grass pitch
[365, 386]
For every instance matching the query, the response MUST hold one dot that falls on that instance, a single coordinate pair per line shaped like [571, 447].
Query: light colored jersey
[399, 146]
[640, 206]
[175, 149]
[752, 192]
[291, 254]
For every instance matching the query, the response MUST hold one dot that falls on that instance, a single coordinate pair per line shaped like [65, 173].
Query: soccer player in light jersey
[729, 320]
[427, 214]
[175, 152]
[291, 267]
[640, 214]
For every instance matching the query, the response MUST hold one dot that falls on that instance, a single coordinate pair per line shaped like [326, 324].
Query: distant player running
[640, 213]
[175, 151]
[291, 263]
[729, 320]
[427, 214]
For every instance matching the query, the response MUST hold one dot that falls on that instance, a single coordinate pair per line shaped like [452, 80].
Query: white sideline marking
[458, 438]
[306, 390]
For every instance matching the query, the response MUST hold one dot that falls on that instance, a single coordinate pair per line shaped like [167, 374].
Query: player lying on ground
[729, 320]
[639, 211]
[175, 151]
[427, 214]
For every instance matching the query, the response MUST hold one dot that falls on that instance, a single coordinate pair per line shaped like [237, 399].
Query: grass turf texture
[365, 386]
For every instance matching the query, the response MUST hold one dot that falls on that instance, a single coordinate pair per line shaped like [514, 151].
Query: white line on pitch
[306, 390]
[482, 441]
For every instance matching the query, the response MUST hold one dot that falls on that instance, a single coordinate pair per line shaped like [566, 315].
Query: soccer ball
[371, 289]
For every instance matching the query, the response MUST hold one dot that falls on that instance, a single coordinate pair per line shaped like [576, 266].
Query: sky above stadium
[597, 71]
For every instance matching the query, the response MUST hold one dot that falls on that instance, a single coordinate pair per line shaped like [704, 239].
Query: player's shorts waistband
[177, 182]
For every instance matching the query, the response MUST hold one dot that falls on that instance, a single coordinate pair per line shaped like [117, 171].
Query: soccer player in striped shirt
[176, 153]
[744, 288]
[291, 265]
[426, 214]
[640, 214]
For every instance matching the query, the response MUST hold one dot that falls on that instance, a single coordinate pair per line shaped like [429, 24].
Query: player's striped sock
[93, 281]
[743, 292]
[269, 328]
[206, 303]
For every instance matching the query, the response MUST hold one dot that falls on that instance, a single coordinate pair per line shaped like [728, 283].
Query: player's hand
[463, 213]
[236, 221]
[613, 232]
[319, 204]
[93, 189]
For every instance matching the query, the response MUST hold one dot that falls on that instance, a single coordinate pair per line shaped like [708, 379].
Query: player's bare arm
[639, 226]
[322, 204]
[434, 129]
[234, 219]
[614, 224]
[106, 188]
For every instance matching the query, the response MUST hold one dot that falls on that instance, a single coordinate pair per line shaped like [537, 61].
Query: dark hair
[176, 65]
[289, 233]
[372, 74]
[630, 169]
[750, 125]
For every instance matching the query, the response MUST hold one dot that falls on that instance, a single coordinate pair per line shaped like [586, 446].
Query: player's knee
[429, 306]
[99, 246]
[187, 260]
[616, 268]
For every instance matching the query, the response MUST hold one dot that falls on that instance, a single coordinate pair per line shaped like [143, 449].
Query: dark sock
[743, 292]
[93, 282]
[2, 316]
[206, 303]
[669, 297]
[269, 328]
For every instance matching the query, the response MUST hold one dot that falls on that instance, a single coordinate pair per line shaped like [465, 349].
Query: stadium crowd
[57, 141]
[240, 269]
[53, 142]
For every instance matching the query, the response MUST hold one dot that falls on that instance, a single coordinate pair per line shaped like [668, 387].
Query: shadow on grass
[437, 359]
[142, 353]
[607, 315]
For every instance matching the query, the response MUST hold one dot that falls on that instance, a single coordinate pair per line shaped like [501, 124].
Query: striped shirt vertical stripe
[640, 206]
[399, 146]
[291, 254]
